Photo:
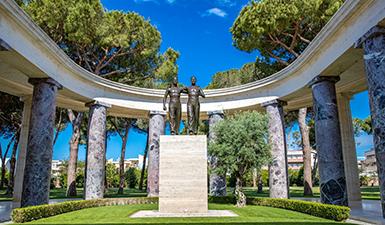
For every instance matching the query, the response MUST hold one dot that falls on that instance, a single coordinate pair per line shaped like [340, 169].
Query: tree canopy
[120, 46]
[281, 29]
[11, 110]
[362, 125]
[241, 144]
[248, 73]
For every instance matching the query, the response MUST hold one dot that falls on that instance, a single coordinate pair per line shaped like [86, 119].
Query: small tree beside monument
[241, 144]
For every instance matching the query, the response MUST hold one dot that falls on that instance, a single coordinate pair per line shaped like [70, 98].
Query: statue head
[193, 80]
[175, 81]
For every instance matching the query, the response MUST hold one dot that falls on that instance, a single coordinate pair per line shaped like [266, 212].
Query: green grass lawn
[120, 215]
[369, 193]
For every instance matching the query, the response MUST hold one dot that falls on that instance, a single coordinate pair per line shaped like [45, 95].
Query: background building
[128, 163]
[295, 159]
[368, 170]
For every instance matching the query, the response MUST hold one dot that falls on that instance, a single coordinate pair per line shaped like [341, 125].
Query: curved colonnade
[345, 58]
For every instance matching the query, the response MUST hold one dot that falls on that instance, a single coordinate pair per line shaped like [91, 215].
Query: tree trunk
[260, 183]
[315, 168]
[74, 149]
[3, 158]
[255, 177]
[239, 195]
[307, 171]
[57, 127]
[11, 183]
[122, 156]
[144, 165]
[3, 170]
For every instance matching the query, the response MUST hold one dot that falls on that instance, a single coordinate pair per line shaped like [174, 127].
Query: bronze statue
[193, 106]
[174, 106]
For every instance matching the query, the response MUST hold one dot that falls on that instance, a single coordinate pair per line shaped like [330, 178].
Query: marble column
[328, 139]
[22, 151]
[349, 150]
[157, 125]
[217, 183]
[373, 43]
[278, 172]
[96, 150]
[37, 173]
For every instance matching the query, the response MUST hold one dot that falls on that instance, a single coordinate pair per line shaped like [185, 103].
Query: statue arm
[184, 90]
[165, 98]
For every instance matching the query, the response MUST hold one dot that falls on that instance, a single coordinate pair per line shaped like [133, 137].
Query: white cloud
[216, 12]
[170, 1]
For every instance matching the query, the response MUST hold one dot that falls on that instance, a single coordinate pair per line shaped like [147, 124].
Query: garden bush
[332, 212]
[22, 215]
[131, 177]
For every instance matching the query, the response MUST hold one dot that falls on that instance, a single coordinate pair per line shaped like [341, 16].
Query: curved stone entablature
[31, 53]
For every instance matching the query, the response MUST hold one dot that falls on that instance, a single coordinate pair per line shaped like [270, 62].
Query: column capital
[48, 80]
[274, 102]
[96, 102]
[373, 32]
[216, 112]
[319, 79]
[157, 112]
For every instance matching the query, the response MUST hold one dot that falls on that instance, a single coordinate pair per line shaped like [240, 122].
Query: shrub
[22, 215]
[131, 177]
[333, 212]
[222, 199]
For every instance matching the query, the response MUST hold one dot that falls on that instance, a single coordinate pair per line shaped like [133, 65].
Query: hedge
[22, 215]
[333, 212]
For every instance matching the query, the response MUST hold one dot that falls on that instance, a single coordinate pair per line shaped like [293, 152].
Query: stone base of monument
[183, 179]
[209, 213]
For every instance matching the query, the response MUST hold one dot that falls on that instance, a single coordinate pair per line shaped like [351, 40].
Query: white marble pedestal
[183, 174]
[183, 179]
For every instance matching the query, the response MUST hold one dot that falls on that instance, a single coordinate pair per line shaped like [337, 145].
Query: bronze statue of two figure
[175, 107]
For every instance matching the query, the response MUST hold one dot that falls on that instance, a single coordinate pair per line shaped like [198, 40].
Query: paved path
[6, 207]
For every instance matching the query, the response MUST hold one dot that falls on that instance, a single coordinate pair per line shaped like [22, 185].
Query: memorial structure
[174, 105]
[350, 46]
[182, 162]
[183, 174]
[193, 106]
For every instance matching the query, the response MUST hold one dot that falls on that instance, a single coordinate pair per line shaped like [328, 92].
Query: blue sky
[199, 30]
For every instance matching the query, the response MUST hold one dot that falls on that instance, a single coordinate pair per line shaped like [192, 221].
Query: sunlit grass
[120, 215]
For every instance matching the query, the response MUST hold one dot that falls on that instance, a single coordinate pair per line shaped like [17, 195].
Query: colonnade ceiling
[31, 53]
